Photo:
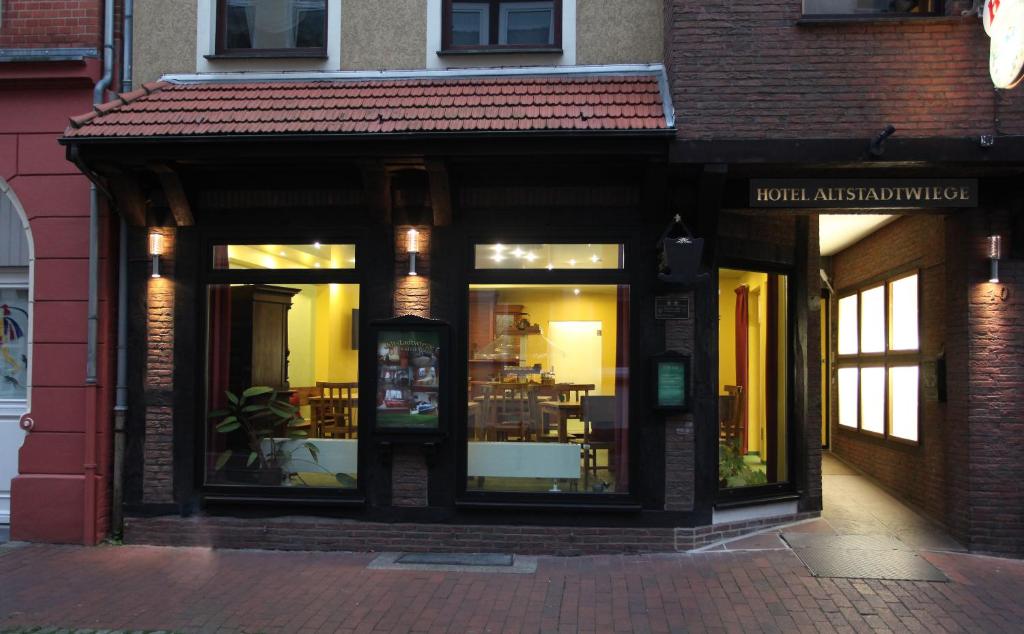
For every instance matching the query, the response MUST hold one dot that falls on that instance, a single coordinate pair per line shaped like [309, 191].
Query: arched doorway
[15, 348]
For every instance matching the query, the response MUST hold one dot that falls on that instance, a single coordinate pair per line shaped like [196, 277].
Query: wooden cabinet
[259, 336]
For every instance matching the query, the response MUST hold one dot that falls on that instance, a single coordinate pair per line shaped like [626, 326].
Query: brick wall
[744, 69]
[917, 474]
[679, 439]
[996, 417]
[158, 470]
[51, 24]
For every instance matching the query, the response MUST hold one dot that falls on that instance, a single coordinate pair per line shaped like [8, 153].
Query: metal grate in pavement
[868, 564]
[455, 562]
[456, 559]
[844, 542]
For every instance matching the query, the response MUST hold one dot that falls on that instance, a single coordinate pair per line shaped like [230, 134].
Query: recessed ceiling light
[316, 245]
[575, 291]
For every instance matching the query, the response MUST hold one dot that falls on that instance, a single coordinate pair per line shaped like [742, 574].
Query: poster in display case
[410, 360]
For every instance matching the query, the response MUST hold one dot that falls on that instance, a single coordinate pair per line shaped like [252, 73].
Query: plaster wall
[383, 34]
[158, 45]
[619, 32]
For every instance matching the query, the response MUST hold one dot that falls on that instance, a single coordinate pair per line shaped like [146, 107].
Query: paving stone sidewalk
[199, 590]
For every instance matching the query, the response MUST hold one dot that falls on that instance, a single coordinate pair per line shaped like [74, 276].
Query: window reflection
[549, 388]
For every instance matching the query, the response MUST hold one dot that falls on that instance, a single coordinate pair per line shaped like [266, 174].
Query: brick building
[529, 177]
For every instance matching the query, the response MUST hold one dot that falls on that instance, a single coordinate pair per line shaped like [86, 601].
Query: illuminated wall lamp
[413, 246]
[156, 249]
[995, 252]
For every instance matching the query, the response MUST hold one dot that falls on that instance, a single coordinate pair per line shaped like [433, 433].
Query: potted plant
[258, 414]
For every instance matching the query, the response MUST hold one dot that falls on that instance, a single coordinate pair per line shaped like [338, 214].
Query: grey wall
[165, 39]
[383, 34]
[619, 32]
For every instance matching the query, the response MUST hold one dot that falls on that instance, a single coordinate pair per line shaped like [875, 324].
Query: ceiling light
[316, 245]
[518, 252]
[575, 291]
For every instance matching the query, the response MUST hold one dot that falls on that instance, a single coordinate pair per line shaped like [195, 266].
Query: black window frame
[625, 501]
[221, 49]
[886, 359]
[210, 276]
[938, 9]
[493, 31]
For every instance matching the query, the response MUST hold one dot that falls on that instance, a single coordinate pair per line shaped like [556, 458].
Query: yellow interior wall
[320, 334]
[782, 369]
[300, 336]
[559, 304]
[726, 335]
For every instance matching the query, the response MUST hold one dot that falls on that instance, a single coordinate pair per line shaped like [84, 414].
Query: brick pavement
[193, 589]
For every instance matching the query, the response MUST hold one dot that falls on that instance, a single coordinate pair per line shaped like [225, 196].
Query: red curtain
[621, 456]
[742, 297]
[219, 354]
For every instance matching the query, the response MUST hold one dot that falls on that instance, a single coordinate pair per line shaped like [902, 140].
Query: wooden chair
[335, 409]
[600, 414]
[730, 416]
[514, 414]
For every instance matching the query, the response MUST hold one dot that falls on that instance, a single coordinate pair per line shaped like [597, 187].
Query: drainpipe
[121, 399]
[92, 389]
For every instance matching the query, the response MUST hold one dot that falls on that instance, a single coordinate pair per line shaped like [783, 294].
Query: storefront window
[871, 7]
[284, 256]
[879, 374]
[283, 385]
[548, 388]
[13, 343]
[752, 378]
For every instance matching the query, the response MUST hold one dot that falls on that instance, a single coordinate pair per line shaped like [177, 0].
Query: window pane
[903, 399]
[903, 314]
[872, 316]
[297, 345]
[13, 343]
[470, 23]
[848, 325]
[275, 24]
[525, 23]
[848, 379]
[752, 380]
[284, 256]
[549, 256]
[548, 394]
[850, 7]
[872, 399]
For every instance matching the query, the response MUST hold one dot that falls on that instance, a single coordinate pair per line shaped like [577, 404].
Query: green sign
[671, 383]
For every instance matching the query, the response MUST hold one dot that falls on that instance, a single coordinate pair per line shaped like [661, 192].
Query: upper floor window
[871, 7]
[276, 26]
[504, 24]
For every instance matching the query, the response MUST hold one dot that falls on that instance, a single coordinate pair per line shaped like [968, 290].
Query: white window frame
[506, 8]
[483, 11]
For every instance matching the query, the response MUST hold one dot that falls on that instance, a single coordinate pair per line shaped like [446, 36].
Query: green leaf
[222, 460]
[228, 424]
[313, 451]
[295, 422]
[298, 433]
[253, 408]
[231, 398]
[252, 458]
[218, 413]
[257, 391]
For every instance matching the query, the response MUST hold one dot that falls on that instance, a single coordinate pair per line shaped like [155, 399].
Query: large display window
[282, 370]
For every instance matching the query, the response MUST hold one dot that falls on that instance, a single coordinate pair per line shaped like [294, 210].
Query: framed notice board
[671, 381]
[410, 376]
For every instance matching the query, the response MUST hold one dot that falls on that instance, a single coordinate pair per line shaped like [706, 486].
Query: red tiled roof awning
[554, 103]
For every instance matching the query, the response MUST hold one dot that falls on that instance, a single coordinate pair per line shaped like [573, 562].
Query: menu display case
[411, 356]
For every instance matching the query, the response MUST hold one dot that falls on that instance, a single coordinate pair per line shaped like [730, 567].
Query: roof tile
[551, 102]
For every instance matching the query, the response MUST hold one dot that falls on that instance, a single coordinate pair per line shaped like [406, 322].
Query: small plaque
[671, 307]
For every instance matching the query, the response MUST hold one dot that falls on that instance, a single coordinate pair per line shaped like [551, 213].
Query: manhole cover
[455, 559]
[844, 542]
[868, 564]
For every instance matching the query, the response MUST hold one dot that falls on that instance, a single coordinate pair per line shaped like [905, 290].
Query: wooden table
[562, 413]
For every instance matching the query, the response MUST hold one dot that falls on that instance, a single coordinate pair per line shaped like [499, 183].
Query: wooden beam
[440, 192]
[377, 187]
[175, 194]
[129, 200]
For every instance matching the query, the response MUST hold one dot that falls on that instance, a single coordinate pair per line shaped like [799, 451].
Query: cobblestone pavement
[191, 589]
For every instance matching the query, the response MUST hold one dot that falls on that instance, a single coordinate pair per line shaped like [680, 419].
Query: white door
[14, 338]
[576, 351]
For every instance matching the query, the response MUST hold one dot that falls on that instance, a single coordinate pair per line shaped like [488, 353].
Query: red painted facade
[61, 494]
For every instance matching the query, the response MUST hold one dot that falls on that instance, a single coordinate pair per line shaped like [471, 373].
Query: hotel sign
[863, 193]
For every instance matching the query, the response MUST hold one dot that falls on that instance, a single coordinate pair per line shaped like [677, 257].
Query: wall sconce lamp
[414, 248]
[995, 252]
[156, 249]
